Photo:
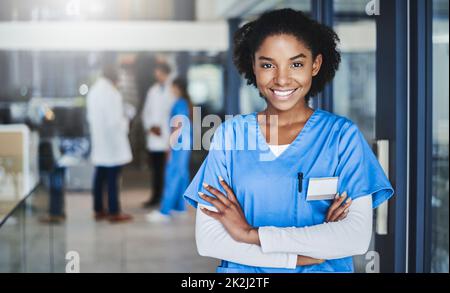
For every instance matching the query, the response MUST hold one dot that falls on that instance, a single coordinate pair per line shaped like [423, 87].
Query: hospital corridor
[135, 247]
[136, 136]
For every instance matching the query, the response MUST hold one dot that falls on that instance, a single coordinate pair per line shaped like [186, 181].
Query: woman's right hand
[339, 208]
[337, 212]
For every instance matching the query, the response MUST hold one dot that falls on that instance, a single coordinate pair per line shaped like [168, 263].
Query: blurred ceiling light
[96, 7]
[73, 8]
[84, 89]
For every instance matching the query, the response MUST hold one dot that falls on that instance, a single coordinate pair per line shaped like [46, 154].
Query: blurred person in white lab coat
[110, 145]
[155, 115]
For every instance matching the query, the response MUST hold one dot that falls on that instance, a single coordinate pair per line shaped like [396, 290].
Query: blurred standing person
[110, 146]
[154, 117]
[177, 168]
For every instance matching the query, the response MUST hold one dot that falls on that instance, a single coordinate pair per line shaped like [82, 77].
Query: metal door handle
[382, 151]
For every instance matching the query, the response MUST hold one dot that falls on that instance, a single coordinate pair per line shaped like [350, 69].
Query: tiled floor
[137, 246]
[29, 245]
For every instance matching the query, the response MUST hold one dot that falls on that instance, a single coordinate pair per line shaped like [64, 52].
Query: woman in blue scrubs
[177, 167]
[289, 58]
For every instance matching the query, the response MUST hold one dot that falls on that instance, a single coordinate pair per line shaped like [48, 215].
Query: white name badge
[322, 188]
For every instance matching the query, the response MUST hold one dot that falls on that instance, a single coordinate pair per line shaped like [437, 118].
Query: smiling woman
[285, 78]
[314, 49]
[261, 216]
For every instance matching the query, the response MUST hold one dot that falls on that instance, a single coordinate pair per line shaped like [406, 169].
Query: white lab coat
[156, 112]
[108, 125]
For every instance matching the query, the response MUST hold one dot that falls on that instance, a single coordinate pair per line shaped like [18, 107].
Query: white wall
[115, 36]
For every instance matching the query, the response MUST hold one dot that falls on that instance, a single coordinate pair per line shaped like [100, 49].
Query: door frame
[421, 140]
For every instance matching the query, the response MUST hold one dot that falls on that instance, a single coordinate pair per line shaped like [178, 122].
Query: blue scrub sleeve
[181, 107]
[213, 166]
[358, 169]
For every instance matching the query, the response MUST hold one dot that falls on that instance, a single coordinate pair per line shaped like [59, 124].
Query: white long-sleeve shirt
[280, 246]
[156, 112]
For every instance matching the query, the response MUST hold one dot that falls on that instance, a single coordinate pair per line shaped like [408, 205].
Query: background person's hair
[110, 72]
[163, 67]
[182, 85]
[320, 39]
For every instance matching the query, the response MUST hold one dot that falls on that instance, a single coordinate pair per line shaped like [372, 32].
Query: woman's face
[284, 68]
[176, 92]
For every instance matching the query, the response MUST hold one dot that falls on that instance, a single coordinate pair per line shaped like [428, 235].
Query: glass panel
[266, 5]
[28, 243]
[206, 86]
[354, 87]
[440, 186]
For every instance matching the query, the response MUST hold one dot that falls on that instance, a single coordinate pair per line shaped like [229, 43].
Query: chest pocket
[319, 210]
[310, 212]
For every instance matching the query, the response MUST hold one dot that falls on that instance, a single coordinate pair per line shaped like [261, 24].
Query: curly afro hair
[320, 39]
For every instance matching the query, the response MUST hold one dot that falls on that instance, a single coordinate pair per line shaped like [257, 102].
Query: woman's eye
[266, 65]
[297, 65]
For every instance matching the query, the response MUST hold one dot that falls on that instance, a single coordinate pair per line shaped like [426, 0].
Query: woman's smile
[283, 94]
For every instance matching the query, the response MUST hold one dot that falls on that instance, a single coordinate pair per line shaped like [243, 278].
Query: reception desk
[18, 165]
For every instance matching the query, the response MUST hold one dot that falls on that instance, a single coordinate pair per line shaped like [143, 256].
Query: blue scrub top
[267, 186]
[184, 142]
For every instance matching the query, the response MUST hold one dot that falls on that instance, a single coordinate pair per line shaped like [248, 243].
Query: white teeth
[283, 93]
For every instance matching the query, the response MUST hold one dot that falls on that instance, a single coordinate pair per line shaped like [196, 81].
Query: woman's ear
[317, 64]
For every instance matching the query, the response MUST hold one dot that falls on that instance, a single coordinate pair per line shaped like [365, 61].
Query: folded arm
[280, 246]
[359, 221]
[214, 241]
[333, 240]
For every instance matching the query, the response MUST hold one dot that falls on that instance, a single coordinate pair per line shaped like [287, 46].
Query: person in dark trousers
[110, 146]
[177, 168]
[155, 117]
[54, 174]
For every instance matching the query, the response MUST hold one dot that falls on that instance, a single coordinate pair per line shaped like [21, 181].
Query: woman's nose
[282, 77]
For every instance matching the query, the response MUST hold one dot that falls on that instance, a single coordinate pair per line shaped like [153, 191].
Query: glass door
[440, 186]
[354, 87]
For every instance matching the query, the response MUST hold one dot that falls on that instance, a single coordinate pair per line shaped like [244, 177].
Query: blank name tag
[322, 188]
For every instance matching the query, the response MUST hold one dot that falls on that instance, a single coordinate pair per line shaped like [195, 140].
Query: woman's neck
[298, 114]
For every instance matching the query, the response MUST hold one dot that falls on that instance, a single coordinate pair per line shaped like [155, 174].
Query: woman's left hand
[229, 213]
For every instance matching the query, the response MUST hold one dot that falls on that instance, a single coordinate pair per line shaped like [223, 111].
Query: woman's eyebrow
[301, 55]
[265, 58]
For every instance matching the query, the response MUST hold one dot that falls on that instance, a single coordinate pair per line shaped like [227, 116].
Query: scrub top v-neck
[263, 141]
[267, 186]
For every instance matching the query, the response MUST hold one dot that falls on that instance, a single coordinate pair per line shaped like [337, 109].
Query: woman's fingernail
[220, 178]
[201, 194]
[346, 210]
[337, 196]
[348, 200]
[205, 185]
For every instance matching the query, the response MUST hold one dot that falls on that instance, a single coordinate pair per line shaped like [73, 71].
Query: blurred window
[354, 87]
[440, 186]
